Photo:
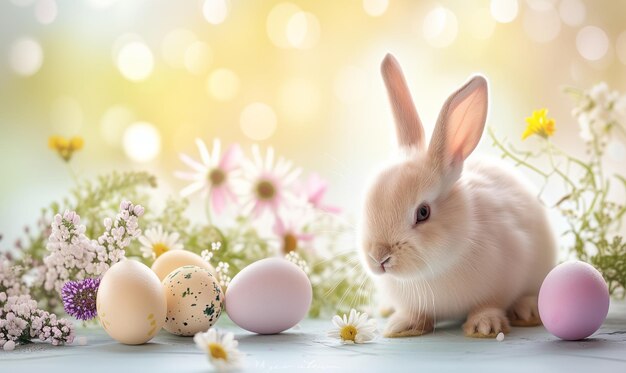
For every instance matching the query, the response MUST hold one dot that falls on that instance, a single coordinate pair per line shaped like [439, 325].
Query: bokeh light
[299, 100]
[258, 121]
[504, 11]
[66, 116]
[135, 61]
[26, 56]
[303, 30]
[375, 8]
[572, 12]
[592, 43]
[175, 45]
[223, 84]
[440, 27]
[481, 23]
[113, 123]
[276, 24]
[350, 84]
[46, 11]
[198, 58]
[542, 25]
[215, 11]
[142, 142]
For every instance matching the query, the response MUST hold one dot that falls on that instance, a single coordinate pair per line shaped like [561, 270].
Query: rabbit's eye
[422, 213]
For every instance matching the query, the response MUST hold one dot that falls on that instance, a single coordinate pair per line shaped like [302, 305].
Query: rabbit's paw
[402, 325]
[524, 312]
[486, 323]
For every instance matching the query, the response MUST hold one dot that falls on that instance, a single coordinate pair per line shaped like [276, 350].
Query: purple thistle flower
[79, 298]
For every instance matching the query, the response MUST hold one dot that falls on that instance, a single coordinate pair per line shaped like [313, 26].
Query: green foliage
[588, 205]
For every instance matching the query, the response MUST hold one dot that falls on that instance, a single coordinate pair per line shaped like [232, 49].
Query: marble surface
[308, 349]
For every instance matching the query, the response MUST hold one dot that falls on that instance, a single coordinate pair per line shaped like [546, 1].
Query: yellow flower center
[348, 333]
[290, 243]
[265, 190]
[159, 249]
[217, 177]
[217, 351]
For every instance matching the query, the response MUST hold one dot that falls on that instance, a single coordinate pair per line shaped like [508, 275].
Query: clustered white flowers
[21, 321]
[73, 256]
[207, 255]
[599, 109]
[296, 259]
[223, 277]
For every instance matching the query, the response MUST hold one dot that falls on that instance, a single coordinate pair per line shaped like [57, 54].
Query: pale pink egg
[573, 300]
[269, 296]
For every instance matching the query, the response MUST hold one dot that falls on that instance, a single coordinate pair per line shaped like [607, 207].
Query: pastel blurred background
[140, 80]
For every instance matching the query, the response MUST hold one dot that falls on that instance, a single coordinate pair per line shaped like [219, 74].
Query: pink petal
[218, 200]
[230, 158]
[316, 196]
[305, 236]
[279, 227]
[229, 194]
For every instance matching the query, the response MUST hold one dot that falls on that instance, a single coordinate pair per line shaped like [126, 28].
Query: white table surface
[308, 349]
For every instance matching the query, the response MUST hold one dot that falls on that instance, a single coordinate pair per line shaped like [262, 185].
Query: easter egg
[130, 302]
[194, 300]
[269, 296]
[573, 300]
[170, 260]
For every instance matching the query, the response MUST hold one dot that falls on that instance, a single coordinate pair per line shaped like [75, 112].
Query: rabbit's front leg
[486, 322]
[406, 324]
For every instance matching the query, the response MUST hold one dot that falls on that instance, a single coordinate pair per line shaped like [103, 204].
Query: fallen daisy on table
[221, 349]
[356, 328]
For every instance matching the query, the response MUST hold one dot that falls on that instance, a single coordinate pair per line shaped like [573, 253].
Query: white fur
[485, 249]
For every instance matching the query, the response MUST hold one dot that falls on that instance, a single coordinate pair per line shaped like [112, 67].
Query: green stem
[509, 154]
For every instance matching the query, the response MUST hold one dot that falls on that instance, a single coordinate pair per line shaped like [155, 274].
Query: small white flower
[221, 349]
[355, 328]
[155, 242]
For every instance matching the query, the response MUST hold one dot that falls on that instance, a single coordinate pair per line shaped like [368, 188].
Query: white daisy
[355, 328]
[214, 175]
[221, 349]
[155, 242]
[267, 182]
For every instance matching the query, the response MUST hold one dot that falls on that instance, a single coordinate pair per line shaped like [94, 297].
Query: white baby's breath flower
[221, 349]
[156, 242]
[356, 328]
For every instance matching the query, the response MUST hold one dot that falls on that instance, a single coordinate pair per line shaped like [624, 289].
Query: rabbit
[447, 239]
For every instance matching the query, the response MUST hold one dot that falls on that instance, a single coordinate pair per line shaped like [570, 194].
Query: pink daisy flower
[267, 182]
[213, 175]
[290, 231]
[314, 189]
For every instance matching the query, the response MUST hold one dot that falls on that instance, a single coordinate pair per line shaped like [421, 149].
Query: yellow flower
[539, 124]
[76, 143]
[65, 148]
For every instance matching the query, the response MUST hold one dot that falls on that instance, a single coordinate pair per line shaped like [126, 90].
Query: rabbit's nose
[382, 261]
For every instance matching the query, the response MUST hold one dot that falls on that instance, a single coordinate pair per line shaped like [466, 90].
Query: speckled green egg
[194, 300]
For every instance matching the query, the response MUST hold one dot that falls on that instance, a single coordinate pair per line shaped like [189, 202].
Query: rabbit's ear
[461, 122]
[408, 125]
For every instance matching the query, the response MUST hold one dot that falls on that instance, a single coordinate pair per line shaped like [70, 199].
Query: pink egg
[573, 301]
[269, 296]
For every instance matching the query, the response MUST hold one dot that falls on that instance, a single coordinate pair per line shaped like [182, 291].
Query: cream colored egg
[169, 261]
[194, 300]
[131, 303]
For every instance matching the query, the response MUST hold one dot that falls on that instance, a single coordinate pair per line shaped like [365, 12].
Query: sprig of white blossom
[74, 257]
